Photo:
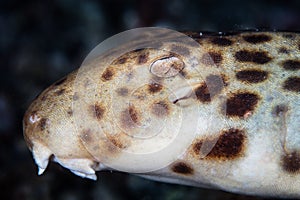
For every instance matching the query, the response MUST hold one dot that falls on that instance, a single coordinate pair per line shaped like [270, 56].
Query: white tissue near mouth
[82, 167]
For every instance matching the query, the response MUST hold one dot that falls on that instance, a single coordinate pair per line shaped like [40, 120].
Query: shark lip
[41, 155]
[83, 167]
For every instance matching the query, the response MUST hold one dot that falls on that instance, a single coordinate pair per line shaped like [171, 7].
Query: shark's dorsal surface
[229, 104]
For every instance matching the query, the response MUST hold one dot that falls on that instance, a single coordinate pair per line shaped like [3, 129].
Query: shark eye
[167, 67]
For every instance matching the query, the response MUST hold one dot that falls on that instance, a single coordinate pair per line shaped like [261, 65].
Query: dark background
[40, 41]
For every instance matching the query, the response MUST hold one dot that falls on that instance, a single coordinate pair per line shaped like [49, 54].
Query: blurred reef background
[41, 41]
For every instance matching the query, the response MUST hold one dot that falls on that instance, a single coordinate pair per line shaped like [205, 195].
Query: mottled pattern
[245, 86]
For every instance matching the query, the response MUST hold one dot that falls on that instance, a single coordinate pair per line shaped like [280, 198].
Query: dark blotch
[160, 109]
[133, 114]
[257, 57]
[254, 39]
[202, 93]
[98, 111]
[121, 61]
[70, 112]
[42, 124]
[122, 91]
[240, 104]
[291, 162]
[107, 74]
[61, 81]
[212, 86]
[229, 145]
[182, 168]
[291, 64]
[154, 87]
[118, 142]
[221, 41]
[130, 117]
[252, 75]
[142, 58]
[197, 147]
[292, 84]
[212, 58]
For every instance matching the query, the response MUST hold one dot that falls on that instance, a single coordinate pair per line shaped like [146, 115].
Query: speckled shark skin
[248, 97]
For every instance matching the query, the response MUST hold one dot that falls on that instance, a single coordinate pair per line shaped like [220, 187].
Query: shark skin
[222, 113]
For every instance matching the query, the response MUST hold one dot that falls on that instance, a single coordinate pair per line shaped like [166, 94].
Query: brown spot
[154, 87]
[291, 65]
[197, 147]
[258, 57]
[133, 114]
[283, 50]
[212, 58]
[43, 123]
[122, 91]
[240, 105]
[60, 92]
[61, 81]
[229, 145]
[202, 93]
[181, 50]
[130, 117]
[107, 74]
[291, 162]
[117, 143]
[182, 168]
[121, 60]
[220, 41]
[86, 136]
[70, 112]
[279, 110]
[252, 75]
[254, 39]
[119, 140]
[160, 109]
[98, 111]
[212, 86]
[142, 59]
[292, 84]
